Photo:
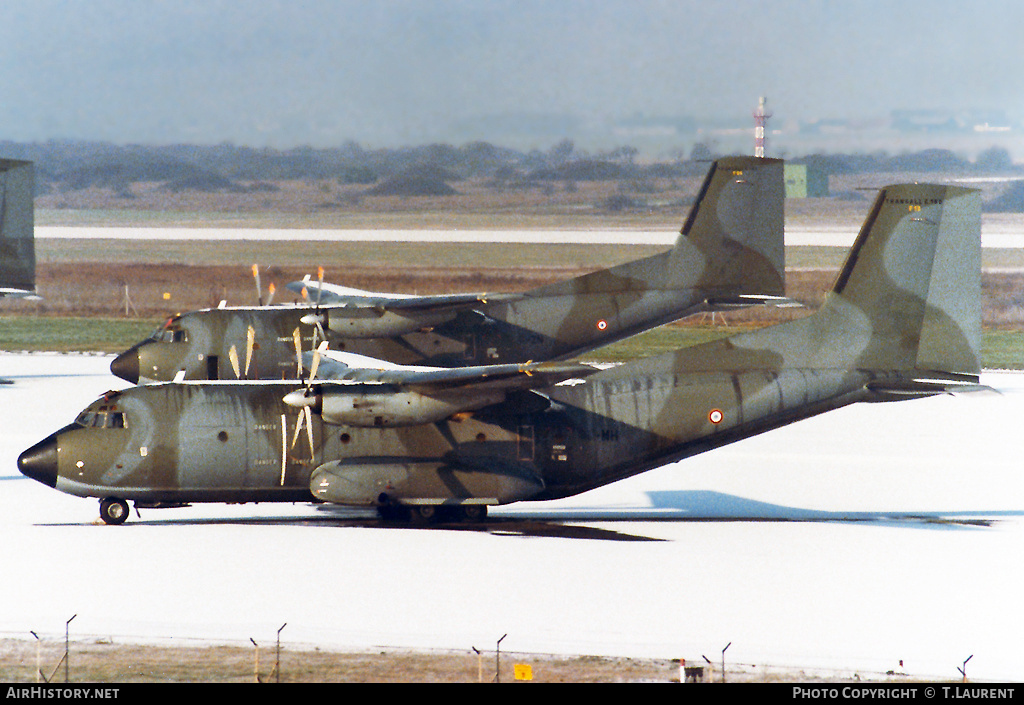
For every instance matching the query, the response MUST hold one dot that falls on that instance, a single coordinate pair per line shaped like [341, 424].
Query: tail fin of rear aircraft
[907, 301]
[17, 228]
[730, 245]
[735, 230]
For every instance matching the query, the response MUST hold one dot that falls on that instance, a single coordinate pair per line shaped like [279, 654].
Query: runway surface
[993, 235]
[854, 540]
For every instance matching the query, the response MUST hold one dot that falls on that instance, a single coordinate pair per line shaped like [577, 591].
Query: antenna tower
[761, 116]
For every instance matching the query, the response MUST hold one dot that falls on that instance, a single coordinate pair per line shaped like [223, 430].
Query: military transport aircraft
[730, 252]
[17, 229]
[902, 321]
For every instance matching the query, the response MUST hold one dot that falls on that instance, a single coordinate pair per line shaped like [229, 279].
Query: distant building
[803, 181]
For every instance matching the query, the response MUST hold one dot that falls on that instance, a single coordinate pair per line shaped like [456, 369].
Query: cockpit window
[102, 419]
[170, 332]
[169, 335]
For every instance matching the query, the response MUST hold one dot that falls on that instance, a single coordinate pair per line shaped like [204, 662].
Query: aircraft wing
[350, 367]
[335, 295]
[392, 395]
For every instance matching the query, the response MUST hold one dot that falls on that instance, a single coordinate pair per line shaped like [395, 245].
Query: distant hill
[63, 166]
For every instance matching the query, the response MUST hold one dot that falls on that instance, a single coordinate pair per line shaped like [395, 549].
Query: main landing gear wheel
[113, 511]
[473, 512]
[423, 514]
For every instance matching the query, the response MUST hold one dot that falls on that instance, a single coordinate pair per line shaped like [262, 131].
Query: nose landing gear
[113, 511]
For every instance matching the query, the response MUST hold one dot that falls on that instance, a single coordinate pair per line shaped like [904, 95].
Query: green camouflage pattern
[901, 322]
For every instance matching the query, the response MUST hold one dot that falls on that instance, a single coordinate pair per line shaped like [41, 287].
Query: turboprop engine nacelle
[384, 406]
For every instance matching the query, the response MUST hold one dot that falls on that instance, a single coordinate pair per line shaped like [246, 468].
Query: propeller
[304, 399]
[316, 318]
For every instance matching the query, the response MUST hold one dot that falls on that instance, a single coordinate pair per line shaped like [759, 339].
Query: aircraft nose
[126, 366]
[40, 462]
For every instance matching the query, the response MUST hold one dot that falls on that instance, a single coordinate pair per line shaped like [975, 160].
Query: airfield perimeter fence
[33, 658]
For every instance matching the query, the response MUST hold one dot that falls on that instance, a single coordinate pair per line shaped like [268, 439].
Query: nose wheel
[113, 510]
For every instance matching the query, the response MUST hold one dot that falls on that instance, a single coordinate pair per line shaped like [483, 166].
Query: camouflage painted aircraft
[730, 252]
[17, 229]
[902, 321]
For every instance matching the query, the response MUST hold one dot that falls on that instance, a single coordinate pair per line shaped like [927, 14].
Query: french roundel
[602, 324]
[715, 416]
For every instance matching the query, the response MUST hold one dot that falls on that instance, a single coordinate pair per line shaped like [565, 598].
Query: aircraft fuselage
[198, 345]
[224, 442]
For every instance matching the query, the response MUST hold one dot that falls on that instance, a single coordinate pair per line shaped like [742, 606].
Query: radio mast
[761, 116]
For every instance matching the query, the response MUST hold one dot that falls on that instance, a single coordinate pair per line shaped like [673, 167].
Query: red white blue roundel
[602, 324]
[715, 416]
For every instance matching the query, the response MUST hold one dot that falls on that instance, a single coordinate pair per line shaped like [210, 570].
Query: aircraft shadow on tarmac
[665, 506]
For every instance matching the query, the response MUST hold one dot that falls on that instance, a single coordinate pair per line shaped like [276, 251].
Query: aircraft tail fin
[907, 301]
[17, 228]
[912, 281]
[730, 245]
[735, 229]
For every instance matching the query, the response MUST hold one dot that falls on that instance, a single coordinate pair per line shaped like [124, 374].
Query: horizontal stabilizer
[20, 294]
[744, 300]
[888, 390]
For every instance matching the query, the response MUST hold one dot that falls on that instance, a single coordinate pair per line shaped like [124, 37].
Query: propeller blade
[297, 339]
[272, 289]
[304, 419]
[250, 343]
[320, 288]
[259, 289]
[284, 447]
[316, 361]
[298, 428]
[308, 414]
[233, 357]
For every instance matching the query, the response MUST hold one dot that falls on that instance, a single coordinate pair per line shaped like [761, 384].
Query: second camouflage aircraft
[730, 252]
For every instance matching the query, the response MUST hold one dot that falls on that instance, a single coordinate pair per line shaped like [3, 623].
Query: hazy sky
[390, 72]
